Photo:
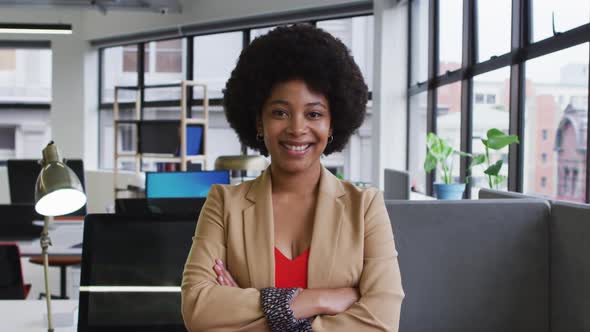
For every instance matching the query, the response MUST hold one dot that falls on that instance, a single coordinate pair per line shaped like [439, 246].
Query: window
[574, 181]
[165, 62]
[450, 35]
[25, 75]
[565, 180]
[493, 28]
[7, 143]
[479, 98]
[566, 14]
[490, 99]
[357, 34]
[419, 41]
[417, 141]
[485, 117]
[551, 77]
[448, 121]
[214, 58]
[169, 56]
[7, 138]
[25, 97]
[119, 67]
[548, 77]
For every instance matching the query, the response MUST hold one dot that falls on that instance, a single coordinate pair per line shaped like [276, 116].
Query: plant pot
[449, 191]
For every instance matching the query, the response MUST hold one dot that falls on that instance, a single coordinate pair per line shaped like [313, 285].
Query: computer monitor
[16, 222]
[134, 257]
[182, 184]
[22, 177]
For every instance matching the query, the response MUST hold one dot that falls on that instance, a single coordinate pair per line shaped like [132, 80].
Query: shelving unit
[183, 123]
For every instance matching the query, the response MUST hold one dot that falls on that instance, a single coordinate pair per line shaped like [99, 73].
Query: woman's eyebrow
[286, 103]
[317, 103]
[278, 101]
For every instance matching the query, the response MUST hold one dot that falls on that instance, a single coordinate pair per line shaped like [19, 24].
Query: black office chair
[12, 286]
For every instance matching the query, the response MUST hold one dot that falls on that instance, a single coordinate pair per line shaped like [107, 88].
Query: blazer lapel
[259, 233]
[326, 230]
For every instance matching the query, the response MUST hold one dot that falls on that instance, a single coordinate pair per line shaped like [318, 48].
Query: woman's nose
[297, 125]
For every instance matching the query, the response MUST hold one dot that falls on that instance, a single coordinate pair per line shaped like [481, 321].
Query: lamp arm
[45, 243]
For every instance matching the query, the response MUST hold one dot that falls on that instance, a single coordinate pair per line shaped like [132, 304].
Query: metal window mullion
[409, 78]
[433, 21]
[469, 52]
[587, 137]
[246, 36]
[190, 67]
[141, 76]
[98, 124]
[140, 90]
[519, 39]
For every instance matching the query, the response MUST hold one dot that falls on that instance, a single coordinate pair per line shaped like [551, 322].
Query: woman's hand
[338, 300]
[224, 278]
[323, 301]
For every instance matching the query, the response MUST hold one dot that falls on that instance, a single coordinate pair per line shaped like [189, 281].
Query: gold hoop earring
[330, 139]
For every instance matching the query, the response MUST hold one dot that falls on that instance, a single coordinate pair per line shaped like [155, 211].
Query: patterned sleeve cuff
[277, 309]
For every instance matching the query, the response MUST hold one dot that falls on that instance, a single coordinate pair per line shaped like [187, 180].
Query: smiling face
[295, 122]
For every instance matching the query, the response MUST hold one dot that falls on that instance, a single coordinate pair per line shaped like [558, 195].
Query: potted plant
[440, 153]
[495, 140]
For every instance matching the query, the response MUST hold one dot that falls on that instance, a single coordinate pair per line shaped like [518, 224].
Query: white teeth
[296, 147]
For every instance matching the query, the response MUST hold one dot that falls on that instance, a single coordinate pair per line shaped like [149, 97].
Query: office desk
[63, 234]
[28, 315]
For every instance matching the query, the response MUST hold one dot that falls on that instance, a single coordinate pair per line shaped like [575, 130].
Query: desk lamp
[58, 191]
[241, 163]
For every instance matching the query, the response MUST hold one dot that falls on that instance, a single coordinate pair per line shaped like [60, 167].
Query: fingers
[224, 278]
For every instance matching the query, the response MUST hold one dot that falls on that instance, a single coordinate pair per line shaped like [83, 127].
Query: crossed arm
[209, 305]
[309, 302]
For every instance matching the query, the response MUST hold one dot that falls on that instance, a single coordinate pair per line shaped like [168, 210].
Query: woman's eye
[279, 113]
[315, 115]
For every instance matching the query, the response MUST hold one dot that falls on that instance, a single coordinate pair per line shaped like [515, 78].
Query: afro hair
[302, 52]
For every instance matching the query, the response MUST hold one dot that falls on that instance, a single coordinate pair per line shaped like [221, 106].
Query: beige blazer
[352, 246]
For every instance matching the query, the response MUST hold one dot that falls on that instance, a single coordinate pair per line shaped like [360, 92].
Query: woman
[295, 249]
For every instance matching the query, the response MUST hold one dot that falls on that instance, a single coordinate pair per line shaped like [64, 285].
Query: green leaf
[477, 160]
[498, 140]
[463, 154]
[498, 179]
[429, 163]
[494, 169]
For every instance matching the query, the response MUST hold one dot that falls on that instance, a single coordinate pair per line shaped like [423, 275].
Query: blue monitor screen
[183, 184]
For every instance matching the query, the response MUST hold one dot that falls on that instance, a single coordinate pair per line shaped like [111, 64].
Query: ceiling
[157, 6]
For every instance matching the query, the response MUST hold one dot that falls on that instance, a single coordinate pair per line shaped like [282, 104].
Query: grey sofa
[493, 265]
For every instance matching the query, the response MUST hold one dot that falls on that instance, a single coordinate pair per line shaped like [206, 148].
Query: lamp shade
[241, 163]
[58, 190]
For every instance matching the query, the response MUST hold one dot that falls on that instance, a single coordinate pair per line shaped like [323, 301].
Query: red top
[291, 273]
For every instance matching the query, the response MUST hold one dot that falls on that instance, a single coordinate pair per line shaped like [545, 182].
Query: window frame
[522, 50]
[26, 44]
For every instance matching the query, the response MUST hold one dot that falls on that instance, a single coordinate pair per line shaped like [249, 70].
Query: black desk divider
[22, 177]
[132, 252]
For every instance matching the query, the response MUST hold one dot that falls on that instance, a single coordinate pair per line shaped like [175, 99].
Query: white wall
[390, 87]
